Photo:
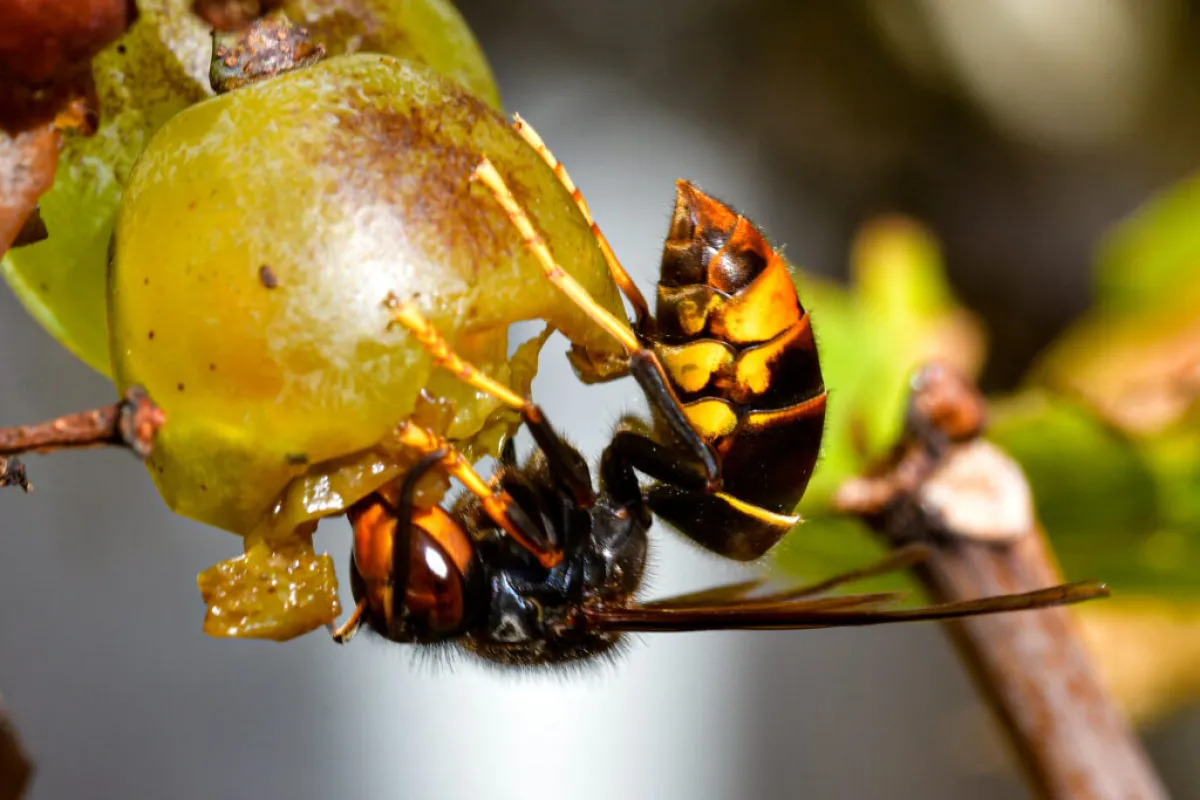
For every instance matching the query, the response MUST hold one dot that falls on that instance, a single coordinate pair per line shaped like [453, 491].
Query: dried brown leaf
[27, 164]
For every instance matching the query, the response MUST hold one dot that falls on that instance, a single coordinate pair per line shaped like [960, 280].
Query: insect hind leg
[720, 522]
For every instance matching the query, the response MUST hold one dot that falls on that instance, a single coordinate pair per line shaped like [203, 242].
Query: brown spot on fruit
[431, 148]
[267, 276]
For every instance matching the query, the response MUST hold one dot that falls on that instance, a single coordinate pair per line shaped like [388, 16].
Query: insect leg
[498, 505]
[404, 520]
[486, 173]
[654, 459]
[565, 463]
[399, 507]
[508, 452]
[343, 633]
[645, 365]
[641, 310]
[649, 373]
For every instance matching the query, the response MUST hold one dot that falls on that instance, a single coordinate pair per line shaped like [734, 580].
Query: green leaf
[1153, 253]
[898, 314]
[898, 274]
[1116, 509]
[829, 545]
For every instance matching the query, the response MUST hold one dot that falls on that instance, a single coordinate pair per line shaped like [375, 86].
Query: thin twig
[131, 423]
[948, 488]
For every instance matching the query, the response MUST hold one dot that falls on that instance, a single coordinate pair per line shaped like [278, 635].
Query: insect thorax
[532, 615]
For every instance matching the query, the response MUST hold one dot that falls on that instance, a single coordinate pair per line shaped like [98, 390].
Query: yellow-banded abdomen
[739, 351]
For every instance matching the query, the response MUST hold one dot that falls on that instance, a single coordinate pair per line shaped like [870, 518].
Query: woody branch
[946, 486]
[130, 423]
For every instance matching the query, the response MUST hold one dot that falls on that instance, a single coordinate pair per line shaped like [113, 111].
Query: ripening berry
[158, 68]
[260, 235]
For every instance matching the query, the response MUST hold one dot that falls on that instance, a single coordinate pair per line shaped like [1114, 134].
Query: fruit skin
[260, 234]
[157, 69]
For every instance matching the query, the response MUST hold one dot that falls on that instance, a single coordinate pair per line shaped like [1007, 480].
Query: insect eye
[435, 590]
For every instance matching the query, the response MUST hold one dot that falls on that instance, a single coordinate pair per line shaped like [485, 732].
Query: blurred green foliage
[1106, 425]
[897, 313]
[1154, 253]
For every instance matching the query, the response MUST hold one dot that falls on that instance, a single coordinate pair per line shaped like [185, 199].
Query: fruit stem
[270, 46]
[131, 423]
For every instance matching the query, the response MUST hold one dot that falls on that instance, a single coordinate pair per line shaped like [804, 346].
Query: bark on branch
[131, 423]
[945, 486]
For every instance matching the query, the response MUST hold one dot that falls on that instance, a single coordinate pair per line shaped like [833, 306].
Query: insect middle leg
[718, 521]
[566, 464]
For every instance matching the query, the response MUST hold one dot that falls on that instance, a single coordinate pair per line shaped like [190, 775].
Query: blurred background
[1019, 131]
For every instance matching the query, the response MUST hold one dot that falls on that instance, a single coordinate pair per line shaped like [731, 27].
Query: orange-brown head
[425, 593]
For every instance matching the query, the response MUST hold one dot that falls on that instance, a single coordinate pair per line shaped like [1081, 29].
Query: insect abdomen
[738, 348]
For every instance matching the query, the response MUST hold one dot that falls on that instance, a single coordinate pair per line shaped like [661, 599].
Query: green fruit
[260, 234]
[157, 69]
